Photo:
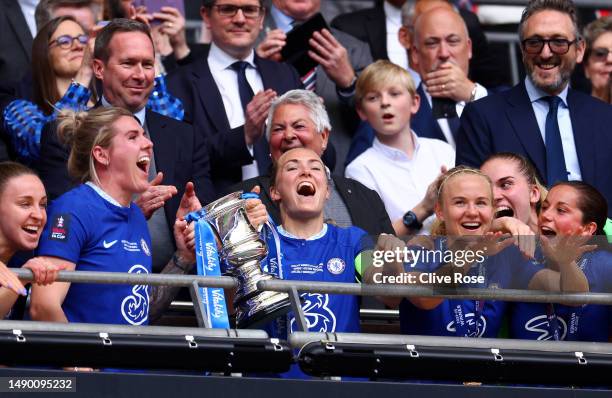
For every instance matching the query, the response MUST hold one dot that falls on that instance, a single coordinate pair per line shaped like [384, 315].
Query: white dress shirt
[393, 21]
[540, 109]
[28, 8]
[481, 92]
[225, 77]
[401, 181]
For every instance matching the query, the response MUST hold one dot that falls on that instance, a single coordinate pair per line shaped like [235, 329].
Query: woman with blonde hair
[466, 212]
[97, 227]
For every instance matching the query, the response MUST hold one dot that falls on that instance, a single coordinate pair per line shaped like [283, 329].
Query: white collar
[104, 195]
[394, 153]
[392, 13]
[140, 115]
[283, 21]
[219, 60]
[318, 235]
[536, 93]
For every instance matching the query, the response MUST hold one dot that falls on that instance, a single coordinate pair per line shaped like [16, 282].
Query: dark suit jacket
[506, 122]
[365, 207]
[423, 123]
[15, 41]
[9, 92]
[194, 85]
[179, 153]
[369, 25]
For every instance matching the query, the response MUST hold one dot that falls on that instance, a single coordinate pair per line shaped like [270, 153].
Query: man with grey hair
[82, 10]
[298, 119]
[563, 132]
[339, 56]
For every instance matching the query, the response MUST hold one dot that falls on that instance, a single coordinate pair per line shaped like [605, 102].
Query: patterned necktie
[310, 80]
[555, 160]
[244, 89]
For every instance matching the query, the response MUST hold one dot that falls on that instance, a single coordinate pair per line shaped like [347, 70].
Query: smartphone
[156, 5]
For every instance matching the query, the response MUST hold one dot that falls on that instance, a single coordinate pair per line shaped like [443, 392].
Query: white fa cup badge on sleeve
[336, 265]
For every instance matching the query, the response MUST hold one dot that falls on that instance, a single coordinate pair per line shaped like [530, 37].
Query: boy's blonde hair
[382, 73]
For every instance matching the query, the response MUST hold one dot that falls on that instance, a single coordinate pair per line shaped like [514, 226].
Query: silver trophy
[242, 250]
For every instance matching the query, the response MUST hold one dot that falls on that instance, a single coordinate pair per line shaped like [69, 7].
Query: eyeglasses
[230, 10]
[600, 54]
[559, 46]
[65, 41]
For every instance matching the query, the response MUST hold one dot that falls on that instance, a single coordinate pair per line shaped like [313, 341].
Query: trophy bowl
[242, 249]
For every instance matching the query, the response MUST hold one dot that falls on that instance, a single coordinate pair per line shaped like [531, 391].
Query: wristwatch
[411, 221]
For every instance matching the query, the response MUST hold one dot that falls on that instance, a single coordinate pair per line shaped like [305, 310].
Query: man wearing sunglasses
[228, 91]
[565, 133]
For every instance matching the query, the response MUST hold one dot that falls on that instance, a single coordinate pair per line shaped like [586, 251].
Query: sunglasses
[559, 46]
[600, 54]
[65, 41]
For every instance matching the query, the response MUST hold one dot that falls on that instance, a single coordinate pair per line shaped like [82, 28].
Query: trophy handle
[273, 243]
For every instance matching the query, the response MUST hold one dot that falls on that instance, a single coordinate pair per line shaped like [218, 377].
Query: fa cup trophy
[242, 250]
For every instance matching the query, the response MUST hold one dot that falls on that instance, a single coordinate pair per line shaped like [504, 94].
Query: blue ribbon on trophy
[272, 263]
[207, 258]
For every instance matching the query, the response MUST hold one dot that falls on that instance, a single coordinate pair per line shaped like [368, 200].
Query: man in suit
[228, 104]
[373, 26]
[565, 134]
[124, 61]
[440, 53]
[340, 56]
[378, 26]
[298, 119]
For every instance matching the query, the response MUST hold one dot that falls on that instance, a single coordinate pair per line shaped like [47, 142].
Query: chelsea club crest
[336, 265]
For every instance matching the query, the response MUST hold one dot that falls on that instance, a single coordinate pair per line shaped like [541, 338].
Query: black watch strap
[411, 221]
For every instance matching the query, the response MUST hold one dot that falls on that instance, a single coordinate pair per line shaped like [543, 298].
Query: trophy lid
[225, 204]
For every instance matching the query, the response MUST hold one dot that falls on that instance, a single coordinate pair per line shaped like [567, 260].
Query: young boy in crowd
[400, 166]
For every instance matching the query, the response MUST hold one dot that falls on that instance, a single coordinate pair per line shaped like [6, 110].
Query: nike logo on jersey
[109, 244]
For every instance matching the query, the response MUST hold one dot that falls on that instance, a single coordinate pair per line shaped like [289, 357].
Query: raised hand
[333, 58]
[256, 114]
[449, 81]
[256, 210]
[565, 250]
[155, 196]
[173, 26]
[271, 46]
[189, 202]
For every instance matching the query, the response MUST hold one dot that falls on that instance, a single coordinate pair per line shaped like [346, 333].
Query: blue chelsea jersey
[476, 318]
[87, 229]
[535, 321]
[328, 258]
